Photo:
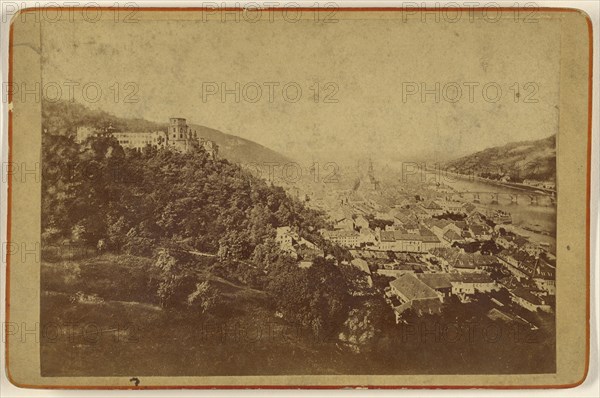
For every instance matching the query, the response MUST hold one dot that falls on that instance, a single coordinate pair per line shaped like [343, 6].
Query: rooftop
[452, 235]
[479, 277]
[340, 234]
[412, 288]
[526, 295]
[436, 281]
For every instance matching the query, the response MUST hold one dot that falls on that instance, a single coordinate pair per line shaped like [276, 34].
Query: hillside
[535, 160]
[63, 117]
[240, 150]
[135, 202]
[138, 200]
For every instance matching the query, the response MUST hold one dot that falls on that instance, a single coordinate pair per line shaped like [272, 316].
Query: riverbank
[511, 185]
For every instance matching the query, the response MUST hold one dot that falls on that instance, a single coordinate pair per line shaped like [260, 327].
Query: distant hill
[240, 150]
[63, 118]
[535, 160]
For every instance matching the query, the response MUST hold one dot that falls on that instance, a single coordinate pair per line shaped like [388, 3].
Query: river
[542, 214]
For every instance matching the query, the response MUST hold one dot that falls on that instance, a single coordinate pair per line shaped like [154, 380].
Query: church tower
[373, 183]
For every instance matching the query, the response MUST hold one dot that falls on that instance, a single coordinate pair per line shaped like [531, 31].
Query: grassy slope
[122, 336]
[118, 330]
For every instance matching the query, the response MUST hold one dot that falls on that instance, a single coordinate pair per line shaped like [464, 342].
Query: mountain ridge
[238, 149]
[515, 161]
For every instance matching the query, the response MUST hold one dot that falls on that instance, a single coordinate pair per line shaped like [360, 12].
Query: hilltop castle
[178, 136]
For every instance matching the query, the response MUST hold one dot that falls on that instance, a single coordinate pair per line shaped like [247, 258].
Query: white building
[179, 136]
[346, 238]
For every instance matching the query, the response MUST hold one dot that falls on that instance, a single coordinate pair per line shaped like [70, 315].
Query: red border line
[9, 195]
[302, 386]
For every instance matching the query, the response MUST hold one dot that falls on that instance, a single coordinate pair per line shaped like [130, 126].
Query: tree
[205, 297]
[315, 297]
[167, 287]
[450, 216]
[340, 253]
[176, 279]
[365, 325]
[355, 278]
[116, 232]
[268, 257]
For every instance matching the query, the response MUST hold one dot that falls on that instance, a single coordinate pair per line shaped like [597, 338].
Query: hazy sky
[368, 61]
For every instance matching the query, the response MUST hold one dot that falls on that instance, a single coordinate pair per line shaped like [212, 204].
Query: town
[419, 246]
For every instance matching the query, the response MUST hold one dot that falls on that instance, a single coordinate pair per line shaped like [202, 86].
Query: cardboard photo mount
[573, 228]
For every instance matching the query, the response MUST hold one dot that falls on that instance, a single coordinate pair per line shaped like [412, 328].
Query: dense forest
[133, 201]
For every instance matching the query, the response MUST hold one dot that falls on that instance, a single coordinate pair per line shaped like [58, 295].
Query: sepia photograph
[300, 192]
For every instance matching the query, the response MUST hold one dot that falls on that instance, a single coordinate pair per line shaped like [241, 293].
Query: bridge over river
[508, 197]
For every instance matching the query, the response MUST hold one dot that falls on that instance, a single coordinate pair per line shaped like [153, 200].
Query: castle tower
[178, 133]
